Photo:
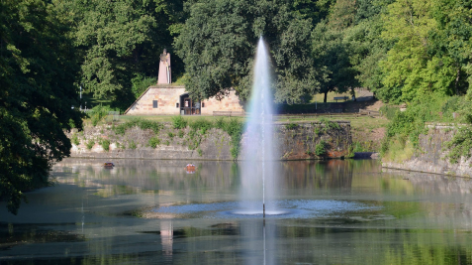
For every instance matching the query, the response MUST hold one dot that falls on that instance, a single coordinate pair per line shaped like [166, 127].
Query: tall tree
[218, 42]
[121, 39]
[38, 67]
[410, 68]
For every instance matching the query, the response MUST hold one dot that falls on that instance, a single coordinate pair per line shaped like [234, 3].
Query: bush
[90, 143]
[200, 152]
[154, 142]
[132, 145]
[320, 148]
[143, 124]
[330, 125]
[235, 129]
[98, 114]
[179, 122]
[105, 143]
[181, 134]
[389, 111]
[220, 123]
[75, 139]
[201, 125]
[171, 134]
[291, 126]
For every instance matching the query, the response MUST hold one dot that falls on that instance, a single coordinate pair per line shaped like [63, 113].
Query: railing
[190, 111]
[229, 113]
[369, 112]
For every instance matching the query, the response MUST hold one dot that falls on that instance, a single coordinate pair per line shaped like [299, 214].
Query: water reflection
[98, 216]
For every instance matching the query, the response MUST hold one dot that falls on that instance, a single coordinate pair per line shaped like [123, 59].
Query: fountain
[259, 179]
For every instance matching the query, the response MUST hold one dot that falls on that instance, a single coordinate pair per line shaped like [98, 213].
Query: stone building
[168, 99]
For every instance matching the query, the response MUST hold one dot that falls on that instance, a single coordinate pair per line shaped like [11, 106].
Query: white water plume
[259, 177]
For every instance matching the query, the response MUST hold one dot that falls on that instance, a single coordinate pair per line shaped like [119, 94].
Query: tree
[330, 50]
[122, 39]
[38, 68]
[410, 69]
[218, 42]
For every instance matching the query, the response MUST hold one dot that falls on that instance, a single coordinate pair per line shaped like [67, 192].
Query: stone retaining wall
[431, 156]
[294, 141]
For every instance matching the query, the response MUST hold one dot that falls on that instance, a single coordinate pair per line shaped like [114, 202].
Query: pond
[148, 211]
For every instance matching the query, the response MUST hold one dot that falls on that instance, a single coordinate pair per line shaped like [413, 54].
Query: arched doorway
[188, 106]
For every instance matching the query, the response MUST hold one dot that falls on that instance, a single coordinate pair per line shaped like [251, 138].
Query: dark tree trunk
[353, 93]
[325, 97]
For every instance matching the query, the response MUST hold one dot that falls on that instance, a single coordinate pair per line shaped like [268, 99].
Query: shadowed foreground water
[152, 212]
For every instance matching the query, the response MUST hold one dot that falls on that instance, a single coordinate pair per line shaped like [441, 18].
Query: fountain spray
[258, 143]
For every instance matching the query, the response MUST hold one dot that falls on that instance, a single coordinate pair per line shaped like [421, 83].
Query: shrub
[220, 123]
[105, 143]
[330, 125]
[201, 125]
[389, 111]
[132, 145]
[181, 134]
[98, 114]
[200, 152]
[291, 126]
[72, 124]
[75, 139]
[179, 122]
[171, 134]
[154, 142]
[143, 124]
[235, 129]
[90, 143]
[320, 148]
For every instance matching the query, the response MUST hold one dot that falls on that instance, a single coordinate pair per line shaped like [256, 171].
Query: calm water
[152, 212]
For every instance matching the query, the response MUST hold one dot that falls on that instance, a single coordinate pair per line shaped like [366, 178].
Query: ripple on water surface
[283, 209]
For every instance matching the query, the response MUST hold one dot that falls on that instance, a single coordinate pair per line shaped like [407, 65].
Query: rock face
[431, 157]
[294, 141]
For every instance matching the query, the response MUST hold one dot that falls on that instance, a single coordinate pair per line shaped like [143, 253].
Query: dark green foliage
[38, 69]
[331, 51]
[154, 142]
[320, 148]
[181, 134]
[141, 123]
[200, 152]
[291, 126]
[140, 83]
[105, 143]
[179, 122]
[121, 42]
[171, 134]
[218, 44]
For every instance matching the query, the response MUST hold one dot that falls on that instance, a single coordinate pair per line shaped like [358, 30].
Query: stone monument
[164, 76]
